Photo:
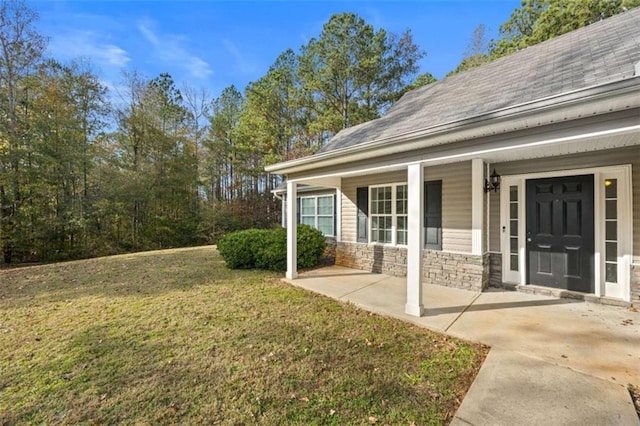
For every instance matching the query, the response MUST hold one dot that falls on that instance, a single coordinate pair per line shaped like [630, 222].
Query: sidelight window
[611, 230]
[513, 228]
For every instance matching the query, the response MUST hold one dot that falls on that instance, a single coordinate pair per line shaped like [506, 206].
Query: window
[308, 211]
[611, 230]
[325, 215]
[401, 214]
[389, 214]
[319, 213]
[381, 216]
[513, 228]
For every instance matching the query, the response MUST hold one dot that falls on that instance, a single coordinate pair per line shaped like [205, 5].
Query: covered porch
[602, 341]
[483, 231]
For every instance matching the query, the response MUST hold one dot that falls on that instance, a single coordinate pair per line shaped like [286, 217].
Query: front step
[565, 294]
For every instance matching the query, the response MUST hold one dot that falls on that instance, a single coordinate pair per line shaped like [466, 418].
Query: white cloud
[75, 44]
[170, 49]
[115, 55]
[144, 27]
[198, 68]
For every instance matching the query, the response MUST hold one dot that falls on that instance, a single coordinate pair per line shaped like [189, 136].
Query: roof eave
[398, 143]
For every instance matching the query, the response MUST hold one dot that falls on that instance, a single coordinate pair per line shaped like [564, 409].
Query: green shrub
[272, 254]
[267, 249]
[238, 248]
[311, 245]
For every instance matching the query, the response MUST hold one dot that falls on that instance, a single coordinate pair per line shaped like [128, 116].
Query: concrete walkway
[553, 361]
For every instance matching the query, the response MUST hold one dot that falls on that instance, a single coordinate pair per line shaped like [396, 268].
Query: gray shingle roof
[600, 53]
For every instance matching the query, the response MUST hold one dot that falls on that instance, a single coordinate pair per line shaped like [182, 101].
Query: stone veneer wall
[372, 258]
[443, 268]
[329, 254]
[457, 270]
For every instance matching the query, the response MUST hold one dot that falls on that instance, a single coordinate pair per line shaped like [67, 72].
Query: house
[523, 172]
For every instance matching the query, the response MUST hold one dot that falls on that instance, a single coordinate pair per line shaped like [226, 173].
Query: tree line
[85, 171]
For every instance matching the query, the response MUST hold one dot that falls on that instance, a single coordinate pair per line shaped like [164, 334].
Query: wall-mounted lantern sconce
[493, 183]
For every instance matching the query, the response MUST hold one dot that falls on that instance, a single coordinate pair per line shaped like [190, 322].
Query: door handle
[528, 240]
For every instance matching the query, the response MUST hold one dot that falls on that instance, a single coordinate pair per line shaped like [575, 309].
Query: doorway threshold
[565, 294]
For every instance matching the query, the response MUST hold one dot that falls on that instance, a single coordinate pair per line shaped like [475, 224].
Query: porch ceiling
[572, 146]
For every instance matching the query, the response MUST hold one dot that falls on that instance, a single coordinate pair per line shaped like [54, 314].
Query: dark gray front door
[560, 232]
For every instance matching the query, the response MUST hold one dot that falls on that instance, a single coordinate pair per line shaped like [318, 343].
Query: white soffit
[568, 148]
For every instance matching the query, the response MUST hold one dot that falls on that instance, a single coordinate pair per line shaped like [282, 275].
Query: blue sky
[214, 44]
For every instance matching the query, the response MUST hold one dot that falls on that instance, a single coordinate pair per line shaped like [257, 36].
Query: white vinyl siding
[456, 204]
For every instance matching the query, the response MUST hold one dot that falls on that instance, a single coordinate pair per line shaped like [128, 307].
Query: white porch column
[415, 239]
[338, 212]
[284, 210]
[292, 214]
[477, 205]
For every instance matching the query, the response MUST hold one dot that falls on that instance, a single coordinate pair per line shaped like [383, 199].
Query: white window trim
[316, 215]
[394, 216]
[620, 290]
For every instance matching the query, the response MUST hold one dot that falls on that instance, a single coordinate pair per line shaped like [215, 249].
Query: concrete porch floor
[572, 357]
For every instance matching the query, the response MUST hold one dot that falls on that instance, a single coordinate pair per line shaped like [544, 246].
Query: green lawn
[174, 337]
